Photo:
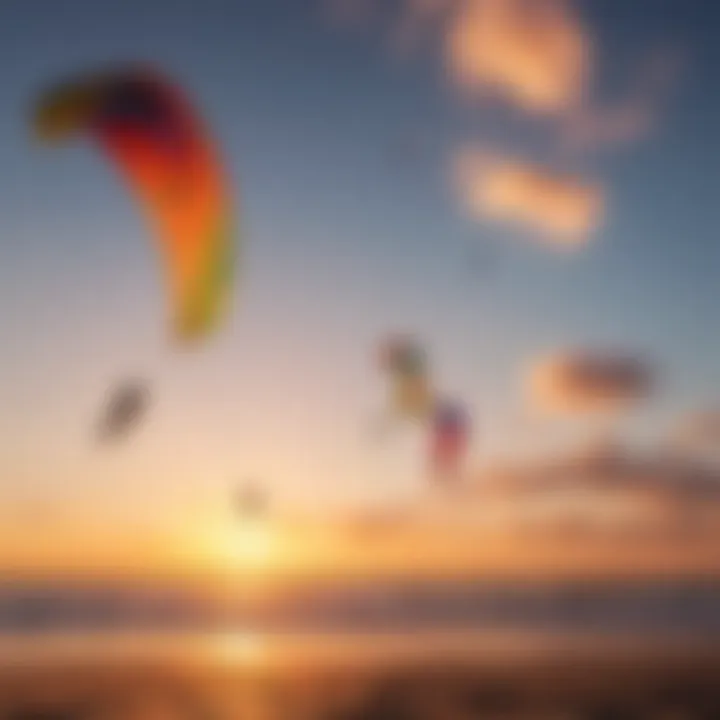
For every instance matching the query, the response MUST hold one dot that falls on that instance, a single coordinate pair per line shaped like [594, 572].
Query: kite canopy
[149, 129]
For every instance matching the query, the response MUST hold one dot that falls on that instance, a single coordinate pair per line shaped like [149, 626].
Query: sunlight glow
[238, 648]
[240, 546]
[256, 544]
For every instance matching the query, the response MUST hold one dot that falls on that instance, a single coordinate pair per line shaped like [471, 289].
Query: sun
[248, 545]
[255, 544]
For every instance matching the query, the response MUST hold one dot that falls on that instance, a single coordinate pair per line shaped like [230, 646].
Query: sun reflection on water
[238, 648]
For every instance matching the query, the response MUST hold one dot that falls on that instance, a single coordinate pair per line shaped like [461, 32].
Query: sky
[507, 180]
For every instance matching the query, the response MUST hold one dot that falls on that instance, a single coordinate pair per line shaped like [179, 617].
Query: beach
[422, 675]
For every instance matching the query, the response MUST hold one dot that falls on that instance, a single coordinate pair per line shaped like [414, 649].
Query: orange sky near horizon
[308, 547]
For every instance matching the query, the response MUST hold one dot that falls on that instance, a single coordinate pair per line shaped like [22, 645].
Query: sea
[362, 648]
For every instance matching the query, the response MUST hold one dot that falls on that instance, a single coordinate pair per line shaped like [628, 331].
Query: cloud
[588, 382]
[612, 487]
[621, 124]
[541, 58]
[564, 208]
[699, 430]
[631, 118]
[377, 523]
[605, 490]
[534, 53]
[538, 55]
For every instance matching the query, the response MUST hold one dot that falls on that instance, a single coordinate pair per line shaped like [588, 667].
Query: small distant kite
[252, 502]
[149, 129]
[449, 436]
[413, 397]
[127, 407]
[405, 363]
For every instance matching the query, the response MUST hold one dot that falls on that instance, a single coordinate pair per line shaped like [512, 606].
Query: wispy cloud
[699, 430]
[633, 116]
[610, 488]
[534, 53]
[540, 56]
[606, 490]
[564, 209]
[543, 58]
[578, 382]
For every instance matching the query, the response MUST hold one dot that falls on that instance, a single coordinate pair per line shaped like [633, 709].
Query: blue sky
[341, 243]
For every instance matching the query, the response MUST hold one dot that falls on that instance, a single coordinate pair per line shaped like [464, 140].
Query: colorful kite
[450, 433]
[406, 364]
[413, 397]
[149, 129]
